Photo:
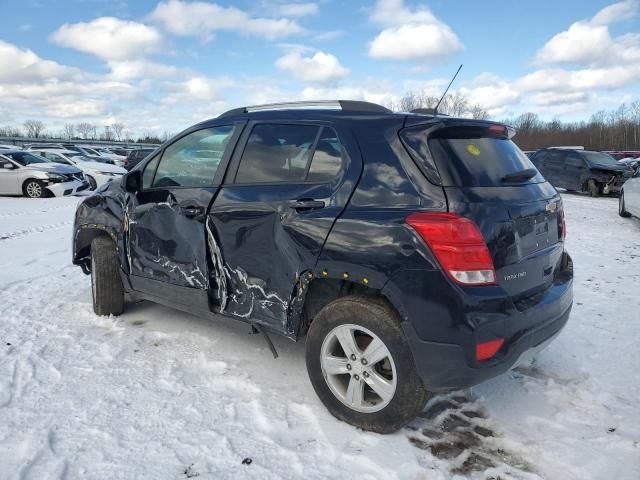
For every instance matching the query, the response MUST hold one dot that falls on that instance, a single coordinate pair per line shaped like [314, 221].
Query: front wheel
[621, 210]
[33, 189]
[106, 285]
[360, 365]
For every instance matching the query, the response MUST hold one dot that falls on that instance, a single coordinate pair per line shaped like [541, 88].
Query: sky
[164, 65]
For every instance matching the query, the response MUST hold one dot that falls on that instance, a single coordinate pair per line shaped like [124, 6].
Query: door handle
[306, 204]
[192, 210]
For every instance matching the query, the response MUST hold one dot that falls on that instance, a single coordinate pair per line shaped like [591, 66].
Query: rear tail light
[487, 350]
[564, 224]
[458, 246]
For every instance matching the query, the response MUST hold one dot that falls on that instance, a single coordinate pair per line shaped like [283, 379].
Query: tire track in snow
[22, 213]
[455, 429]
[39, 229]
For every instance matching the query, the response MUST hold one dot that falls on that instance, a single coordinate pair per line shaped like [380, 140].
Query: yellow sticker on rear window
[473, 150]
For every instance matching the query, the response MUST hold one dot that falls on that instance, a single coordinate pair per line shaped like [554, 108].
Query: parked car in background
[23, 173]
[622, 154]
[136, 156]
[629, 201]
[581, 170]
[413, 253]
[8, 147]
[109, 153]
[631, 162]
[96, 173]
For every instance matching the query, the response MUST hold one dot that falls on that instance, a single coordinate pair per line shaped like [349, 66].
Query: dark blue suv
[415, 253]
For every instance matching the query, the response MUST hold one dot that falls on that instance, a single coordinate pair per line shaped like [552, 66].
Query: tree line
[616, 129]
[117, 132]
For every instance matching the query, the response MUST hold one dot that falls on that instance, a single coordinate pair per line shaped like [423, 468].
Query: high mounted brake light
[458, 246]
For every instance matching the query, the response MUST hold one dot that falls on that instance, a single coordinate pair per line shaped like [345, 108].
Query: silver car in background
[22, 173]
[629, 200]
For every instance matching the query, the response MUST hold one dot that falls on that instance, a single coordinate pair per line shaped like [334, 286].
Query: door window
[4, 163]
[277, 153]
[192, 161]
[327, 158]
[574, 161]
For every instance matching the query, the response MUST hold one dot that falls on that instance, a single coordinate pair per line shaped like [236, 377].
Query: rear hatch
[487, 179]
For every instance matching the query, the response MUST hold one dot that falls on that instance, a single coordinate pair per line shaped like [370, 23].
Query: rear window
[474, 157]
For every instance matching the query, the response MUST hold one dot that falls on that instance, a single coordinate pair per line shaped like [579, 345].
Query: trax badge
[515, 276]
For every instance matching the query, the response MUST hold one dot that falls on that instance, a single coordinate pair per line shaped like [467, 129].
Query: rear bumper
[449, 365]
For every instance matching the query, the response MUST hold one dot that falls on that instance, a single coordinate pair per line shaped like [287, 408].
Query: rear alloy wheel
[621, 211]
[592, 188]
[92, 182]
[361, 367]
[34, 189]
[106, 285]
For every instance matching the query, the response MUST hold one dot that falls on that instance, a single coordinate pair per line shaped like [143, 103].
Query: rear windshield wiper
[520, 176]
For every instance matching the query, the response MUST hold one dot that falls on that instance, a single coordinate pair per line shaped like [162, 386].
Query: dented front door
[166, 219]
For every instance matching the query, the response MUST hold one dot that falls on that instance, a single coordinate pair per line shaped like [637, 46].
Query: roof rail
[344, 105]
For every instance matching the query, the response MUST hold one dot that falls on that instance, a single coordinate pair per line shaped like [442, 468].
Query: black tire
[92, 182]
[34, 189]
[593, 188]
[621, 211]
[378, 317]
[106, 285]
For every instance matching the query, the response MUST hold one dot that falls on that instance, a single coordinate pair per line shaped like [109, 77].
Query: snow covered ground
[160, 394]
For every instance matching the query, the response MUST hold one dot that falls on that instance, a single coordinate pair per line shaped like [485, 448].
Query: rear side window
[327, 158]
[277, 153]
[473, 157]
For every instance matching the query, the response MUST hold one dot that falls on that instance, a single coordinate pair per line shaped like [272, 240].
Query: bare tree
[10, 131]
[118, 129]
[34, 128]
[68, 130]
[85, 129]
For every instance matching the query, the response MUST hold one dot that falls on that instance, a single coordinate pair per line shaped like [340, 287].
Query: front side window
[192, 161]
[277, 153]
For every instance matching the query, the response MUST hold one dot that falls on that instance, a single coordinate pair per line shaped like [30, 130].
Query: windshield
[91, 151]
[81, 158]
[24, 158]
[599, 157]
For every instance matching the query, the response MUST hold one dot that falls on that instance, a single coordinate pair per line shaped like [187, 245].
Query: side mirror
[7, 166]
[132, 181]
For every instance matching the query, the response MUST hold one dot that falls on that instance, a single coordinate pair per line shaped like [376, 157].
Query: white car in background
[629, 200]
[96, 173]
[22, 173]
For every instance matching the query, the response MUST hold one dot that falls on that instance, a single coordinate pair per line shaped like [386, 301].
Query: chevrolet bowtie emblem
[551, 207]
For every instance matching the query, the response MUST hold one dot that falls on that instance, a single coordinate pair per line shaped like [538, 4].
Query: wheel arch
[82, 239]
[321, 291]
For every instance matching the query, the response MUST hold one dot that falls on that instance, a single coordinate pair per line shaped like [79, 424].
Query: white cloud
[22, 65]
[134, 69]
[411, 34]
[109, 38]
[320, 68]
[296, 9]
[589, 42]
[203, 19]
